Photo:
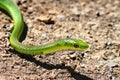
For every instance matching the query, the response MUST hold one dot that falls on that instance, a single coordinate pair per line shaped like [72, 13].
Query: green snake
[62, 44]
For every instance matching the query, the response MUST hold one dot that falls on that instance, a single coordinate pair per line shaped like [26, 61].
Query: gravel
[95, 21]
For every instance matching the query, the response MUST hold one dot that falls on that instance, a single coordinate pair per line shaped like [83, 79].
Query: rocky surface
[95, 21]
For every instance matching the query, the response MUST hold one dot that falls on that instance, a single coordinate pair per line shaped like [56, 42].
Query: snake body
[62, 44]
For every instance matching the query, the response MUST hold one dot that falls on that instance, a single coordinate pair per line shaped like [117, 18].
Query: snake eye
[76, 45]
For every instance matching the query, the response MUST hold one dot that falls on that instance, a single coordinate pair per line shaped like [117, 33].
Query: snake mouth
[84, 46]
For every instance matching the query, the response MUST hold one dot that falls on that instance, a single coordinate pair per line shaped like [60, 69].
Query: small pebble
[53, 12]
[45, 18]
[61, 17]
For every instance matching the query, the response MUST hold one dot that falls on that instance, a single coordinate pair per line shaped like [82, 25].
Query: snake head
[76, 44]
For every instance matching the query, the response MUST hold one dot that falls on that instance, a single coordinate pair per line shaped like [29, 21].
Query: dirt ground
[95, 21]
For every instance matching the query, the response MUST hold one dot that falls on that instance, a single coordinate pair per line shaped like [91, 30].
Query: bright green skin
[63, 44]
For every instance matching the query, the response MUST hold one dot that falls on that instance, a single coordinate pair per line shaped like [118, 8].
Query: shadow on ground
[47, 66]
